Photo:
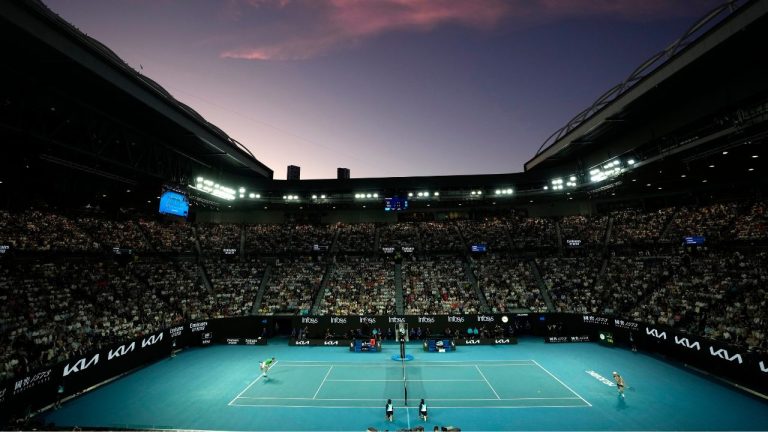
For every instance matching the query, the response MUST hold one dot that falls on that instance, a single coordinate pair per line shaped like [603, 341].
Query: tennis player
[619, 383]
[389, 410]
[423, 410]
[265, 366]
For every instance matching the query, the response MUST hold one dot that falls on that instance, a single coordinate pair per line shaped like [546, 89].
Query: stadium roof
[71, 109]
[48, 55]
[717, 62]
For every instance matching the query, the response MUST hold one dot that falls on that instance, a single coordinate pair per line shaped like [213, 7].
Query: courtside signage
[80, 365]
[27, 383]
[120, 351]
[655, 333]
[687, 343]
[723, 354]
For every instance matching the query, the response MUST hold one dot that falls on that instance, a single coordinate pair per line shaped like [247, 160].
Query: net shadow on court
[443, 384]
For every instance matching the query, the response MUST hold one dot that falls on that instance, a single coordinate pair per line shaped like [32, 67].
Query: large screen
[479, 247]
[573, 243]
[395, 204]
[174, 203]
[694, 240]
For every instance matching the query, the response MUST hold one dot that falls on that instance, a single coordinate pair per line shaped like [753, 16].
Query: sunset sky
[386, 87]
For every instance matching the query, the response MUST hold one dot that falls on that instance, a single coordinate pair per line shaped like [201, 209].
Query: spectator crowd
[63, 293]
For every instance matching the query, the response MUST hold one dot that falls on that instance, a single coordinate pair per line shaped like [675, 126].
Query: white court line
[261, 374]
[321, 384]
[431, 361]
[477, 361]
[378, 399]
[486, 381]
[420, 365]
[400, 380]
[432, 406]
[408, 414]
[505, 365]
[558, 380]
[308, 365]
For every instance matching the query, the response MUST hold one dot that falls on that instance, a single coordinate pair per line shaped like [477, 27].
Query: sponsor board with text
[319, 342]
[566, 339]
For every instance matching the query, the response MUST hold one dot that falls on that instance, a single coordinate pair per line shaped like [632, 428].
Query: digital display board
[573, 243]
[174, 203]
[694, 240]
[395, 204]
[479, 247]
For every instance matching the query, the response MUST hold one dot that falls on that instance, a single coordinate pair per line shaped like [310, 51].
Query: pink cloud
[322, 26]
[340, 23]
[627, 9]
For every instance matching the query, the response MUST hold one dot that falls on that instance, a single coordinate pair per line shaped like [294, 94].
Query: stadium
[150, 264]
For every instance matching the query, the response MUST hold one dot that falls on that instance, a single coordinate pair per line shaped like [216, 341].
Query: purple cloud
[322, 26]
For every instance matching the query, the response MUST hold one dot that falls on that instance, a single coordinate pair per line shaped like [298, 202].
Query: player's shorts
[621, 387]
[389, 413]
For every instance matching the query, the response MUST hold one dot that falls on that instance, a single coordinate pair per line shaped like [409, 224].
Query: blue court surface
[529, 386]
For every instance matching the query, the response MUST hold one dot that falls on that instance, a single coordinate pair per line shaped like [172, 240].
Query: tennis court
[445, 384]
[529, 386]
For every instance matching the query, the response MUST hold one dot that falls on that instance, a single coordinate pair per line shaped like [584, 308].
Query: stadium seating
[66, 293]
[360, 286]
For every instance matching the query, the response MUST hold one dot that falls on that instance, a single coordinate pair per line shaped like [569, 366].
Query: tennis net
[405, 381]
